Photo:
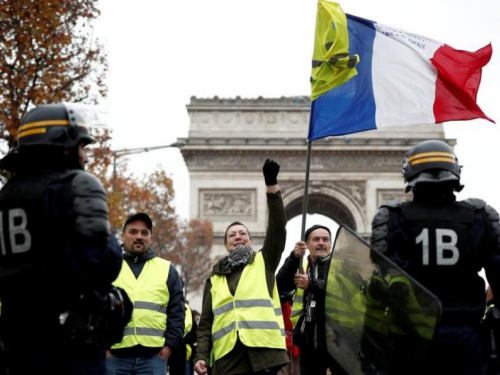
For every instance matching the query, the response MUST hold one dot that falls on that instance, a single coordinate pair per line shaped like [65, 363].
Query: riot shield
[379, 320]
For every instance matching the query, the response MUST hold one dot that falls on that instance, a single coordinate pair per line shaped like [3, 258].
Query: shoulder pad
[492, 213]
[380, 229]
[493, 221]
[381, 217]
[392, 204]
[89, 206]
[476, 203]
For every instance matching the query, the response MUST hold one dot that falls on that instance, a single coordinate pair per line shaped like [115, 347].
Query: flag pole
[305, 199]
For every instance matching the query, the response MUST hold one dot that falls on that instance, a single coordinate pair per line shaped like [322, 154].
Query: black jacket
[314, 332]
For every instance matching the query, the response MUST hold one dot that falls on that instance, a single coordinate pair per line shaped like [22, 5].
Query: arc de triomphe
[229, 140]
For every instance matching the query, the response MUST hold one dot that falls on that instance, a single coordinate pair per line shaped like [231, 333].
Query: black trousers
[177, 361]
[316, 361]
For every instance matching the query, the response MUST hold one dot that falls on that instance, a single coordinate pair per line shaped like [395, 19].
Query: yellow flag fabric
[332, 65]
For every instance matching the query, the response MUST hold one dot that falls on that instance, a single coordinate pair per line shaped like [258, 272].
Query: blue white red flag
[402, 79]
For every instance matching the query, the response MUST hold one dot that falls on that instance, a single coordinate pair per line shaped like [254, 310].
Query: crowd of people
[76, 302]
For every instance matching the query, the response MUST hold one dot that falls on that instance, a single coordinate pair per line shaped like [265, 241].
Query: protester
[58, 258]
[180, 362]
[190, 342]
[286, 300]
[443, 244]
[157, 323]
[490, 328]
[241, 328]
[309, 300]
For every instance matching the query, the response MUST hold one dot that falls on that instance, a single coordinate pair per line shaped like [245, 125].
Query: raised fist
[270, 171]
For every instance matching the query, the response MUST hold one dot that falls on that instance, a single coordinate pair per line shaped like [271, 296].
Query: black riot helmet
[53, 125]
[431, 162]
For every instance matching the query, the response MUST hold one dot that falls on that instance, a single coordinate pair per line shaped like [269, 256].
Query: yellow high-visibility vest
[251, 314]
[422, 324]
[150, 296]
[188, 321]
[345, 306]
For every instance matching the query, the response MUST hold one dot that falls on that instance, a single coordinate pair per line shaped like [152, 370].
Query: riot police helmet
[431, 162]
[54, 125]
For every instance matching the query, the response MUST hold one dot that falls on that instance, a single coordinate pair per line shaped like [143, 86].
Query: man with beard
[241, 328]
[309, 300]
[155, 288]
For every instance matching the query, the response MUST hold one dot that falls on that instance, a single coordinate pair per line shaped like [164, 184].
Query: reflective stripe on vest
[423, 325]
[150, 296]
[344, 302]
[188, 321]
[250, 314]
[298, 299]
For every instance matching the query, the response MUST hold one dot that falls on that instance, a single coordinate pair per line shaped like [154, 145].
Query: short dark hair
[313, 228]
[141, 216]
[232, 225]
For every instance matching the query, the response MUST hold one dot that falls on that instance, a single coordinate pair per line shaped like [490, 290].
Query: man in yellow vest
[309, 300]
[241, 328]
[155, 288]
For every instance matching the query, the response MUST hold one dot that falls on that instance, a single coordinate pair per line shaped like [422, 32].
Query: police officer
[57, 256]
[443, 244]
[490, 328]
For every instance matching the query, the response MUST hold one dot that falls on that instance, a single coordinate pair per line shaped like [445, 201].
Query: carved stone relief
[261, 119]
[224, 204]
[329, 162]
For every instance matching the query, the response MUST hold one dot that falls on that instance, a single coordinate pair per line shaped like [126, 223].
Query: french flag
[403, 79]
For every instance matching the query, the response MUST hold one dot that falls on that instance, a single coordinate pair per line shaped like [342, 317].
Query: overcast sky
[163, 52]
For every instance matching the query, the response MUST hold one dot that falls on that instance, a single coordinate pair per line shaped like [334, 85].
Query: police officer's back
[57, 257]
[443, 244]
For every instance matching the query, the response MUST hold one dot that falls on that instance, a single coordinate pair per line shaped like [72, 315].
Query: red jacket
[286, 308]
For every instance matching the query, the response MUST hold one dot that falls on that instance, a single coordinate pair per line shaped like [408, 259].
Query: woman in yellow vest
[241, 328]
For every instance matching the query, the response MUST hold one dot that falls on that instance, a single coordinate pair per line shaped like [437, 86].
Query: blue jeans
[136, 365]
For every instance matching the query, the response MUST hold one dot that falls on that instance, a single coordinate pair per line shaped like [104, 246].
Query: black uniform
[57, 256]
[444, 244]
[48, 259]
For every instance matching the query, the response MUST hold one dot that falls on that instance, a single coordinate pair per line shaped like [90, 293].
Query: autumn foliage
[127, 194]
[47, 54]
[186, 244]
[192, 252]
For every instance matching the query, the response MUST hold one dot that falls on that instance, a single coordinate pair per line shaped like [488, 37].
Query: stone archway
[229, 139]
[322, 205]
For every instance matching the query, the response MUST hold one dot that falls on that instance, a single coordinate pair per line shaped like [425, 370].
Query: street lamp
[130, 151]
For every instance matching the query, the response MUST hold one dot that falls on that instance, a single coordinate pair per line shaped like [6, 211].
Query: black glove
[271, 170]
